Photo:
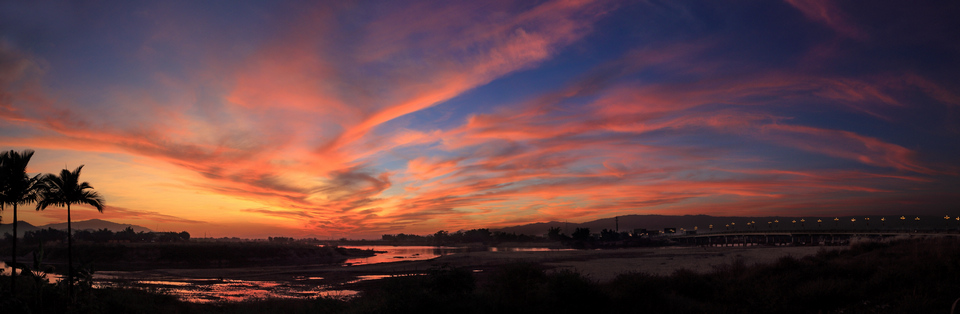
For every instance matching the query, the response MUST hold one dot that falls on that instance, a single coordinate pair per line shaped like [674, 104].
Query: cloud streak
[372, 117]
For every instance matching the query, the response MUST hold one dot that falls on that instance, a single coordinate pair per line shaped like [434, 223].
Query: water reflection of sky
[418, 253]
[217, 290]
[7, 270]
[401, 253]
[205, 290]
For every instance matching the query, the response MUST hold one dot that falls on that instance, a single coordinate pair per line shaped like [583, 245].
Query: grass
[910, 276]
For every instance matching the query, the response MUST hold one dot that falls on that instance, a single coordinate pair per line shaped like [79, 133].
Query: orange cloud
[310, 127]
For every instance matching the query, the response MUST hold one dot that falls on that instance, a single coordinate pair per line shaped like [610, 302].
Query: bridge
[835, 237]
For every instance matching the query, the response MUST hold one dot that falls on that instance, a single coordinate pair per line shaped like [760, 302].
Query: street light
[837, 220]
[819, 223]
[801, 223]
[868, 221]
[853, 221]
[883, 221]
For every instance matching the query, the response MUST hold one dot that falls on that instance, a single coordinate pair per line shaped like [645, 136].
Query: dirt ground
[600, 265]
[665, 261]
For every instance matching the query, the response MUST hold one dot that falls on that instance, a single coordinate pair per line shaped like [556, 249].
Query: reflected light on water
[376, 277]
[7, 270]
[390, 254]
[205, 290]
[525, 249]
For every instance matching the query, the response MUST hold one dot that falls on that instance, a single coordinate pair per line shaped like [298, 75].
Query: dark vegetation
[915, 276]
[63, 190]
[127, 235]
[443, 237]
[179, 254]
[581, 238]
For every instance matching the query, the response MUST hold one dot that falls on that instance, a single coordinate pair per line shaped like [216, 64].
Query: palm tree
[64, 190]
[16, 188]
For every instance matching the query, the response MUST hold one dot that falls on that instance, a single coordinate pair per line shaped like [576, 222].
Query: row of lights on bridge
[820, 222]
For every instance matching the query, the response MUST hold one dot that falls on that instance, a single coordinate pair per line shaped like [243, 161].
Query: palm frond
[16, 187]
[61, 190]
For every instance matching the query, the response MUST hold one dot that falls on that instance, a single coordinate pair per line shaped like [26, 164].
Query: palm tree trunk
[13, 276]
[69, 254]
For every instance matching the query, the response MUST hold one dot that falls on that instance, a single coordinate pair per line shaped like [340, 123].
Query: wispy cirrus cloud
[115, 212]
[828, 13]
[361, 118]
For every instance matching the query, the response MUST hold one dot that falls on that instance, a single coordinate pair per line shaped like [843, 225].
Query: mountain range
[628, 223]
[703, 222]
[92, 224]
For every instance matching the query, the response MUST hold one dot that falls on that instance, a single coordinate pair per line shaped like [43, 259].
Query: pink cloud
[847, 145]
[826, 12]
[309, 124]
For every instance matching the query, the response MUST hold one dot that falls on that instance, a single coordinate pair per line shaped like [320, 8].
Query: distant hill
[631, 222]
[703, 222]
[22, 226]
[92, 224]
[95, 224]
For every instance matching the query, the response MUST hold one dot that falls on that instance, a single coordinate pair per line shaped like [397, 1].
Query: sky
[359, 118]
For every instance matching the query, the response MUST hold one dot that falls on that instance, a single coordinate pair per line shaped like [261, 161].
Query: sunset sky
[359, 118]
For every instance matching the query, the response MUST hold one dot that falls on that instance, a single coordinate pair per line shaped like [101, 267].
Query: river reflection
[203, 290]
[390, 254]
[217, 290]
[7, 270]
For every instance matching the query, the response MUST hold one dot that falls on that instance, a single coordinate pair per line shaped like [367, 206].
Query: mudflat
[599, 265]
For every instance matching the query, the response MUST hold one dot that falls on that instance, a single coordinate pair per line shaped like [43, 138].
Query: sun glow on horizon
[261, 119]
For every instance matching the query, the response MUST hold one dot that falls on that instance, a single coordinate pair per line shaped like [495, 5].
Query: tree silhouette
[554, 234]
[64, 190]
[581, 234]
[609, 235]
[16, 188]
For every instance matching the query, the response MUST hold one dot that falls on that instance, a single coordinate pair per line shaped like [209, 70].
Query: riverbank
[191, 255]
[904, 276]
[600, 265]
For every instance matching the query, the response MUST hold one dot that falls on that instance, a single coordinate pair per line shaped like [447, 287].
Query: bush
[916, 276]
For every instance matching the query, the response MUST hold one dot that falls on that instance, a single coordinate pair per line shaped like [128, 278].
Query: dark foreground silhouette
[910, 276]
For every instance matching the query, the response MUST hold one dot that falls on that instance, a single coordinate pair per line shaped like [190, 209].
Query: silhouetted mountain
[22, 226]
[630, 222]
[702, 222]
[95, 224]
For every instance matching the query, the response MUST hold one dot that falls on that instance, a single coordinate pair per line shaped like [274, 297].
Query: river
[202, 290]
